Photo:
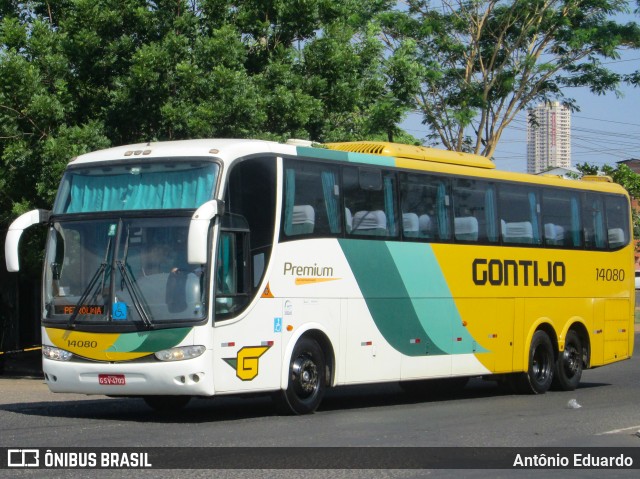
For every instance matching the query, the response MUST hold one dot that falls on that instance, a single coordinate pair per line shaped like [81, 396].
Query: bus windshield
[166, 184]
[126, 270]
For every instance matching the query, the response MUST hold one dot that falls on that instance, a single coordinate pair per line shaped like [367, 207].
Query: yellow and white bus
[217, 267]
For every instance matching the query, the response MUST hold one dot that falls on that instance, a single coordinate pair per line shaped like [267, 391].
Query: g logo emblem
[246, 361]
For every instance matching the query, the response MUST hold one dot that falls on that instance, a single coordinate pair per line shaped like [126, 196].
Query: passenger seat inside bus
[370, 223]
[554, 234]
[410, 225]
[616, 237]
[304, 219]
[517, 232]
[424, 226]
[466, 228]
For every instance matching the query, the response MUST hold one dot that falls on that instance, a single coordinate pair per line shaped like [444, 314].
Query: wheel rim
[541, 367]
[571, 360]
[305, 377]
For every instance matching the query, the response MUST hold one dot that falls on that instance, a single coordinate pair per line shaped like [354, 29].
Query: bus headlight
[56, 354]
[180, 353]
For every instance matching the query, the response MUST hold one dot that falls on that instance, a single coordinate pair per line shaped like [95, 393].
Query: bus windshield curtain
[533, 213]
[330, 200]
[490, 214]
[224, 278]
[143, 191]
[442, 212]
[290, 198]
[575, 222]
[598, 224]
[388, 206]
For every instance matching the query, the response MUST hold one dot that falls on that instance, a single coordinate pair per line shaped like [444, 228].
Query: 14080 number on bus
[609, 274]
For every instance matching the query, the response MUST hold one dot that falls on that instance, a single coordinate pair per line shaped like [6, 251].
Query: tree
[78, 75]
[621, 174]
[483, 61]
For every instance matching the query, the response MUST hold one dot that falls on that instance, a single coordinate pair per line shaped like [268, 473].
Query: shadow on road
[232, 408]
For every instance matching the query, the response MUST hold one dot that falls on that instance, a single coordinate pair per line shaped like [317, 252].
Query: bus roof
[363, 152]
[226, 148]
[414, 153]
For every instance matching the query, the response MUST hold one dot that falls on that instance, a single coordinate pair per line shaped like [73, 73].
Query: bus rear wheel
[539, 375]
[166, 404]
[307, 374]
[568, 368]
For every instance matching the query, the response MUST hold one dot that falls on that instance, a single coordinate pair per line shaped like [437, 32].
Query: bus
[211, 267]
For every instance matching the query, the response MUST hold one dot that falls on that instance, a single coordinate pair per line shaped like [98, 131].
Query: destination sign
[91, 309]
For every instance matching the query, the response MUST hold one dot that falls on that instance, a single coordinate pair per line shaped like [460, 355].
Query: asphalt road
[482, 415]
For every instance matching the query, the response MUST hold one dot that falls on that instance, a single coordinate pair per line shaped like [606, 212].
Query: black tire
[570, 363]
[166, 404]
[307, 379]
[539, 375]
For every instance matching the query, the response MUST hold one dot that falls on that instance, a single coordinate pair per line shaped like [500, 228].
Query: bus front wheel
[539, 375]
[568, 368]
[306, 385]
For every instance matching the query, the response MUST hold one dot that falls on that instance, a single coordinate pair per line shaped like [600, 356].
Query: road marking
[617, 431]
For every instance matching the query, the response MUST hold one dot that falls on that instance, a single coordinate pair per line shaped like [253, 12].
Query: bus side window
[519, 215]
[370, 202]
[593, 221]
[561, 218]
[232, 273]
[427, 199]
[415, 207]
[311, 200]
[617, 214]
[252, 182]
[474, 211]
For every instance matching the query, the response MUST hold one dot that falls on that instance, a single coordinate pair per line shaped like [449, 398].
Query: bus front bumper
[192, 377]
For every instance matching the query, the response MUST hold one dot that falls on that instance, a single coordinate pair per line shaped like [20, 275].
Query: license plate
[111, 379]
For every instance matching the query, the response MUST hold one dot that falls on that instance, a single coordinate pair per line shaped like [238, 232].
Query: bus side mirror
[197, 248]
[16, 229]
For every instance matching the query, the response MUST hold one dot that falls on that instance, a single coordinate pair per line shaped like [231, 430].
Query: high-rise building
[548, 137]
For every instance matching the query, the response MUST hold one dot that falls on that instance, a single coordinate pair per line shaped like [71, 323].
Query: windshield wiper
[128, 282]
[131, 288]
[102, 269]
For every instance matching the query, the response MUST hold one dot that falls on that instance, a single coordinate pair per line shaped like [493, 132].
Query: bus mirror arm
[16, 229]
[199, 230]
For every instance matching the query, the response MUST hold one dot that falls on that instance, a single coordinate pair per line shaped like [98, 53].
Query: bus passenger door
[248, 352]
[247, 343]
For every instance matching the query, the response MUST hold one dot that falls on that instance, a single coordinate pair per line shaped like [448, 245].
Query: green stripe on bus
[431, 297]
[149, 341]
[410, 299]
[346, 156]
[387, 297]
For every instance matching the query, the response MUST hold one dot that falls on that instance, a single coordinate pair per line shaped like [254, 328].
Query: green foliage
[79, 75]
[621, 174]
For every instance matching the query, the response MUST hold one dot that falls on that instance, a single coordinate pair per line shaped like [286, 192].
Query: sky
[605, 130]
